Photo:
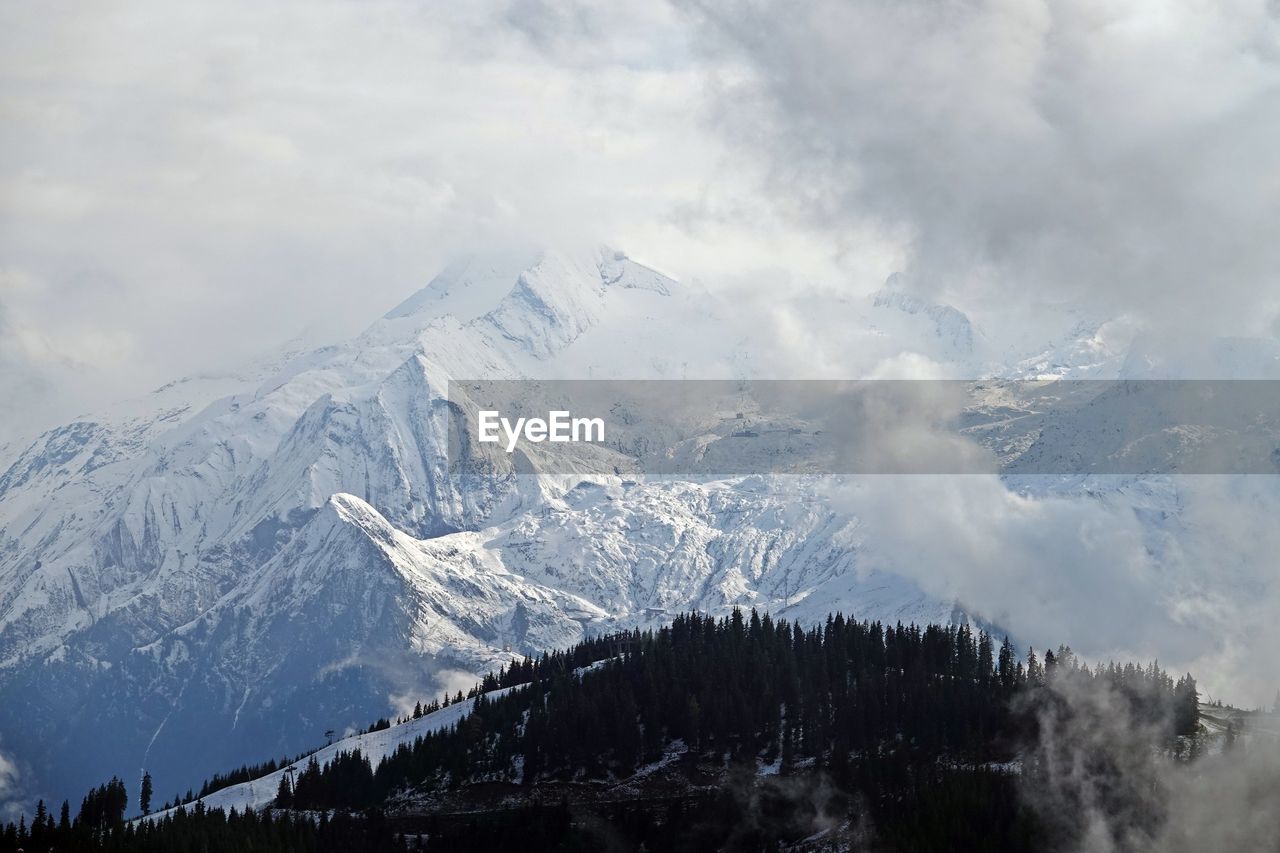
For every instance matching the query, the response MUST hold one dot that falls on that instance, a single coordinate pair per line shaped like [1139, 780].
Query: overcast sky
[183, 186]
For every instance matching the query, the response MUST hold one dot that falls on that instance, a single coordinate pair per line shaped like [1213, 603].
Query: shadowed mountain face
[232, 565]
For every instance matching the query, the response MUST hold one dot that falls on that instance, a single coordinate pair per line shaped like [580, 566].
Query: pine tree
[38, 826]
[1007, 659]
[986, 661]
[1186, 711]
[144, 795]
[284, 793]
[1035, 673]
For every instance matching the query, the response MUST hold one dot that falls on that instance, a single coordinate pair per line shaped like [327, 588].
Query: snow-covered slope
[374, 746]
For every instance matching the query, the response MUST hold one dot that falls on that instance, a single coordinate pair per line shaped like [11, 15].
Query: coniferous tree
[910, 724]
[144, 793]
[1186, 713]
[284, 793]
[1007, 665]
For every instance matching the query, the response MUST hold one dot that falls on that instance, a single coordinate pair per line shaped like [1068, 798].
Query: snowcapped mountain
[234, 564]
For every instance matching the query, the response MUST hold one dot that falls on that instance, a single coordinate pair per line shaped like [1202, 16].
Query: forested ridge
[905, 737]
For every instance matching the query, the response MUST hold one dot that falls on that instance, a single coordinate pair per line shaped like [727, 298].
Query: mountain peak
[469, 286]
[949, 323]
[351, 508]
[476, 284]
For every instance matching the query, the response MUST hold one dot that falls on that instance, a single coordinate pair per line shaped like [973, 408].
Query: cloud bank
[1198, 591]
[1120, 156]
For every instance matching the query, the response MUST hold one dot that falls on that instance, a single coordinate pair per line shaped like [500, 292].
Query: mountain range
[236, 564]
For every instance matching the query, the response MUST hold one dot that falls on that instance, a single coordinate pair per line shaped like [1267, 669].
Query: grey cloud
[1057, 150]
[1026, 157]
[546, 24]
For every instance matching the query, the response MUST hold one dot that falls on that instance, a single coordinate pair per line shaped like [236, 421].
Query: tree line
[748, 687]
[909, 725]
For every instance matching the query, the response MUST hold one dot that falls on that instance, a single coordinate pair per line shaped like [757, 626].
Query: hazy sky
[183, 186]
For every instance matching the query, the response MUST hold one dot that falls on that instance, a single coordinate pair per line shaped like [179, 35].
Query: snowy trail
[375, 746]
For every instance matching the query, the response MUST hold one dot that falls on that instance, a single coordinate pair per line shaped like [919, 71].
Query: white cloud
[1199, 594]
[13, 801]
[193, 185]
